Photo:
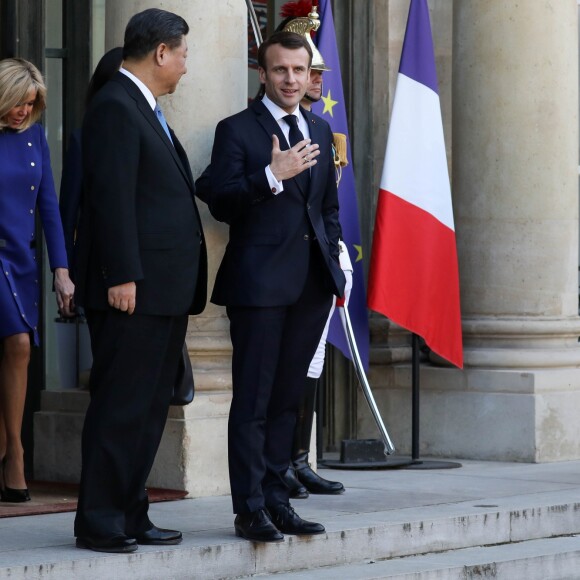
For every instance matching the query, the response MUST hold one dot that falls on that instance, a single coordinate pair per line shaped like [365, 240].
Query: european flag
[332, 108]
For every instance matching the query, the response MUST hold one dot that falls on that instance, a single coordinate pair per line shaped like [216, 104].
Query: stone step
[547, 559]
[211, 551]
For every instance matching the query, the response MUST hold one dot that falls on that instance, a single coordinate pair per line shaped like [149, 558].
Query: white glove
[348, 287]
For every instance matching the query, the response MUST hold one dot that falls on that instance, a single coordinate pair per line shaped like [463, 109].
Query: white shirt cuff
[276, 186]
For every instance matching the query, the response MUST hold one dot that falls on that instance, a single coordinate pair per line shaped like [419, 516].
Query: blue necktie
[163, 122]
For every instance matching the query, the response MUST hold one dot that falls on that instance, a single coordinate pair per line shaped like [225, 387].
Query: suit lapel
[147, 112]
[268, 122]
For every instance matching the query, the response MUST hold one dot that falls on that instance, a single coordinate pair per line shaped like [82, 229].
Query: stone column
[515, 195]
[193, 453]
[515, 191]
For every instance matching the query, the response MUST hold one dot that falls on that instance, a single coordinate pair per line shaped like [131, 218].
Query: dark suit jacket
[139, 220]
[266, 259]
[70, 196]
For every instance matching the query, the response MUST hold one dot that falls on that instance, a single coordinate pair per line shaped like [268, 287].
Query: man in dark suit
[275, 188]
[142, 269]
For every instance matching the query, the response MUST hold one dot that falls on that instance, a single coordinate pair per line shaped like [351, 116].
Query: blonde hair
[17, 78]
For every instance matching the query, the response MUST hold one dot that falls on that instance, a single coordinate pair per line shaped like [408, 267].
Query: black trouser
[135, 362]
[272, 350]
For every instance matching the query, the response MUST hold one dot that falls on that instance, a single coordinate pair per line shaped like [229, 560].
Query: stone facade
[514, 81]
[508, 76]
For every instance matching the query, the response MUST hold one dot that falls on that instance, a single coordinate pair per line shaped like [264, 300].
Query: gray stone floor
[372, 498]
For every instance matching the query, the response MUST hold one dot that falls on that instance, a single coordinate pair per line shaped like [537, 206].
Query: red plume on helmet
[297, 9]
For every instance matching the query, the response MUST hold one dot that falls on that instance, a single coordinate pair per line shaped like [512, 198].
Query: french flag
[413, 276]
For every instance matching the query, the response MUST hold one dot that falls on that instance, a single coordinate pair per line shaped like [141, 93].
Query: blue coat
[26, 184]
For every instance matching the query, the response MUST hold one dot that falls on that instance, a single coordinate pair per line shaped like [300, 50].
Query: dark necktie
[295, 136]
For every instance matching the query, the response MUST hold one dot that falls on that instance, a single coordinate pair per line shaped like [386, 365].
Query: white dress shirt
[278, 113]
[142, 87]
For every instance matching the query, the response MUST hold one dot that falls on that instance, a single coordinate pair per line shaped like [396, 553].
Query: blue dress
[26, 185]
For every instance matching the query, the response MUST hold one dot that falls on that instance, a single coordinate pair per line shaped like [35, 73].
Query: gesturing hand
[289, 163]
[122, 297]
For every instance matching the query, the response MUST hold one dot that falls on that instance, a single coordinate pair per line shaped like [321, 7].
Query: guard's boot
[304, 474]
[316, 484]
[295, 489]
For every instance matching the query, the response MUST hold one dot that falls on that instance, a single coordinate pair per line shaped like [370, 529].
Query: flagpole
[415, 398]
[416, 461]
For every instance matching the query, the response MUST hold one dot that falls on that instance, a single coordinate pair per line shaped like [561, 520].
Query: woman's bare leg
[13, 381]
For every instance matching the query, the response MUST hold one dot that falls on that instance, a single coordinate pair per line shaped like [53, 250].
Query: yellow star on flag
[358, 252]
[328, 103]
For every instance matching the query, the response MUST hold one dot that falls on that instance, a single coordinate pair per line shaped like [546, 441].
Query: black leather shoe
[159, 537]
[257, 527]
[295, 488]
[289, 522]
[115, 545]
[316, 484]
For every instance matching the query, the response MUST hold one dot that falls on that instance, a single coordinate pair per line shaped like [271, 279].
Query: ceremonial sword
[254, 21]
[361, 375]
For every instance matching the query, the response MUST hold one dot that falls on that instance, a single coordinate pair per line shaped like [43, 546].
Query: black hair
[109, 64]
[290, 40]
[148, 29]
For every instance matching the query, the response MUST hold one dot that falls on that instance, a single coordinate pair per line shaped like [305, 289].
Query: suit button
[306, 237]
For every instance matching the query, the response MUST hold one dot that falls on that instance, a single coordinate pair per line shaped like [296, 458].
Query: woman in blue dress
[26, 187]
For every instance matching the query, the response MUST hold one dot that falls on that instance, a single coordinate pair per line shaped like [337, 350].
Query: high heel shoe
[9, 494]
[14, 495]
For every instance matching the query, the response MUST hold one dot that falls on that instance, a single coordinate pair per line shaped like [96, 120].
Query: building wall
[516, 397]
[509, 77]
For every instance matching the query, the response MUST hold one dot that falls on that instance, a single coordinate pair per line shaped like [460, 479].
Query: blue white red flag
[332, 109]
[413, 276]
